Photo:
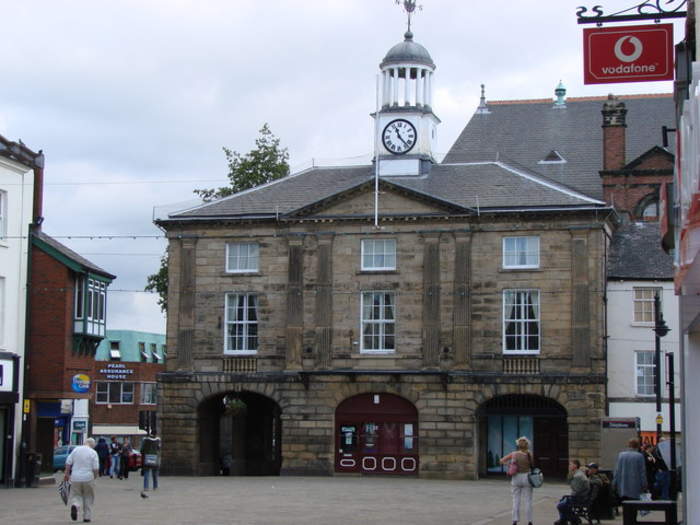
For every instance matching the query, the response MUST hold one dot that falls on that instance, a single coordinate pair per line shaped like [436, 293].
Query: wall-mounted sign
[6, 371]
[79, 426]
[628, 54]
[116, 371]
[80, 383]
[27, 406]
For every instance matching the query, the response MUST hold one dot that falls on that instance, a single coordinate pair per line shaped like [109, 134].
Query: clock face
[399, 136]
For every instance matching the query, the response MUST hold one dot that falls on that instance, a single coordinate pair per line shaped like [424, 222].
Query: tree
[264, 163]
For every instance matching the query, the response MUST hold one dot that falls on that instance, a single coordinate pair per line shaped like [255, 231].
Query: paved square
[285, 501]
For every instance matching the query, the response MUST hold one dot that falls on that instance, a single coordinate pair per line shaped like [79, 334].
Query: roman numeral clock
[399, 136]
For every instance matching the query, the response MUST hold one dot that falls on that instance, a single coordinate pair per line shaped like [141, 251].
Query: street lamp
[660, 330]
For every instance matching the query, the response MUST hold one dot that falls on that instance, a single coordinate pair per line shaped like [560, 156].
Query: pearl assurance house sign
[628, 54]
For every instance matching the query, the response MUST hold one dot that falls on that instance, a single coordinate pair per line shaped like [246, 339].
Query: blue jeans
[663, 483]
[564, 508]
[115, 468]
[147, 474]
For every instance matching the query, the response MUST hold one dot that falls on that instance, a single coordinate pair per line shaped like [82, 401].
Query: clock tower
[406, 125]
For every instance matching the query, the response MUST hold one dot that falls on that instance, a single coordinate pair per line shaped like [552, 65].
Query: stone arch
[522, 411]
[239, 431]
[646, 203]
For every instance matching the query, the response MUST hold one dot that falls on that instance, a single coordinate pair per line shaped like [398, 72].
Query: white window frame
[103, 393]
[524, 321]
[369, 249]
[234, 255]
[3, 214]
[244, 323]
[381, 323]
[646, 303]
[644, 366]
[531, 250]
[149, 393]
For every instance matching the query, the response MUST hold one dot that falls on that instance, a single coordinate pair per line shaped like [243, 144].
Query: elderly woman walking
[519, 464]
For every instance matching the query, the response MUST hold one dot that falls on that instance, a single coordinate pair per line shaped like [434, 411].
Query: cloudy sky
[132, 100]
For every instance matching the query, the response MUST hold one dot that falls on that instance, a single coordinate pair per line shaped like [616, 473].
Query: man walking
[150, 452]
[82, 467]
[630, 477]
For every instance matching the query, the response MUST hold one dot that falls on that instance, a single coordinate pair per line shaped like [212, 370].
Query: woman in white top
[520, 486]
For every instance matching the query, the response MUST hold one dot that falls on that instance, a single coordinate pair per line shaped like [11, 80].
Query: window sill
[241, 274]
[645, 324]
[241, 353]
[374, 272]
[523, 269]
[515, 353]
[374, 354]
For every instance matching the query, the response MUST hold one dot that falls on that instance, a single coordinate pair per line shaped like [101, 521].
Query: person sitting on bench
[579, 493]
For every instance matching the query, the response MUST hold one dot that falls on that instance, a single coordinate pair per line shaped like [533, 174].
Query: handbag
[150, 460]
[64, 491]
[512, 468]
[535, 477]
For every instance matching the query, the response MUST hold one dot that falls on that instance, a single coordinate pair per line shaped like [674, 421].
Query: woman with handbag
[519, 464]
[150, 449]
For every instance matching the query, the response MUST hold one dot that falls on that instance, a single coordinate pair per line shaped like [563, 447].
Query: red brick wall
[122, 414]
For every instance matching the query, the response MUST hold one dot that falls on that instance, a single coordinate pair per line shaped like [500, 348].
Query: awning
[117, 430]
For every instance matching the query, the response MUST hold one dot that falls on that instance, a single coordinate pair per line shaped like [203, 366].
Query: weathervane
[409, 6]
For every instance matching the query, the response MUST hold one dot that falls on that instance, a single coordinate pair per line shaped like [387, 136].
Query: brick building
[67, 296]
[313, 330]
[124, 394]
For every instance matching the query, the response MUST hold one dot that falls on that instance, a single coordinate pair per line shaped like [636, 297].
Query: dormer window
[114, 351]
[143, 353]
[553, 157]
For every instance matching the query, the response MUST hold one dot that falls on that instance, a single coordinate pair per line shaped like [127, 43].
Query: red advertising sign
[628, 54]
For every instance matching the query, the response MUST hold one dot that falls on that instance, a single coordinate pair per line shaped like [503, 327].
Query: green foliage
[158, 283]
[265, 163]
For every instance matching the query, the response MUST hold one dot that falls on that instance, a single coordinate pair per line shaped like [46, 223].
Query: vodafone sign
[628, 54]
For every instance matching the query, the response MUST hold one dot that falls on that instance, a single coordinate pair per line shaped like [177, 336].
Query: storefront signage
[6, 371]
[80, 383]
[116, 371]
[79, 426]
[628, 54]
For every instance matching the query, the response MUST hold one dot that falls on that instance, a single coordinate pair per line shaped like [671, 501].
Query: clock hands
[401, 138]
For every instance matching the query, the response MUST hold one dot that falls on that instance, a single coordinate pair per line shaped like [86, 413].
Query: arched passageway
[239, 435]
[376, 434]
[503, 419]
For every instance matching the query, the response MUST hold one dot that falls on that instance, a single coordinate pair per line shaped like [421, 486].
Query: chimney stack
[614, 113]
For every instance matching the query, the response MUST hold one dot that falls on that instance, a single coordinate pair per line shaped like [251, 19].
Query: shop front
[377, 434]
[9, 397]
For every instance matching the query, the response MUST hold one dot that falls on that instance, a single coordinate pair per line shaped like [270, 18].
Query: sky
[132, 100]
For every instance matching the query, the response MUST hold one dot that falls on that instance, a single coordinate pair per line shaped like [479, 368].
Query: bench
[631, 507]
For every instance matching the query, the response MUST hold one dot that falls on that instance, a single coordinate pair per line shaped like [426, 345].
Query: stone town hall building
[304, 338]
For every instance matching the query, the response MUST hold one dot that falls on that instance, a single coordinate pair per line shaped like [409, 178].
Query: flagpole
[376, 158]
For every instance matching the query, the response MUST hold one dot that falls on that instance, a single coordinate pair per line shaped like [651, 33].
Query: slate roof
[636, 253]
[489, 184]
[526, 131]
[67, 252]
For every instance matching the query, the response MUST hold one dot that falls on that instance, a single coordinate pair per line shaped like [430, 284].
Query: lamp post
[660, 330]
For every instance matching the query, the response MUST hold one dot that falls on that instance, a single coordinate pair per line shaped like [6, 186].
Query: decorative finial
[560, 93]
[409, 6]
[483, 108]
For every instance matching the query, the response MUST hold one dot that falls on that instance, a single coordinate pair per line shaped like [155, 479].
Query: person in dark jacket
[126, 452]
[150, 450]
[102, 450]
[579, 493]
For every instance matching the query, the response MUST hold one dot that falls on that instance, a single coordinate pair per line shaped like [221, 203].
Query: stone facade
[449, 282]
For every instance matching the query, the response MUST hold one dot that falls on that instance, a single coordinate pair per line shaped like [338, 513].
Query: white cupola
[406, 124]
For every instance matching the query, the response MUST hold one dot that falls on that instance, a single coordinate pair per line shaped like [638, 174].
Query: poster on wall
[6, 372]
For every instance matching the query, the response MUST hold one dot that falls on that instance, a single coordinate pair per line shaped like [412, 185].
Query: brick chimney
[614, 125]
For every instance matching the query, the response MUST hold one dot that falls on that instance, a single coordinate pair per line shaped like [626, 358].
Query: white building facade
[18, 167]
[631, 348]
